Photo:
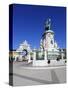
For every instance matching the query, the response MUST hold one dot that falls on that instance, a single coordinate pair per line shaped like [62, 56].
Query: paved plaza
[24, 74]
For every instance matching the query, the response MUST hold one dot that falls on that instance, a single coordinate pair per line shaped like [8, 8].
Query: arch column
[62, 55]
[34, 58]
[29, 57]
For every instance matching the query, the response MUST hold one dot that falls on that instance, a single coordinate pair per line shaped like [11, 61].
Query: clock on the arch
[24, 52]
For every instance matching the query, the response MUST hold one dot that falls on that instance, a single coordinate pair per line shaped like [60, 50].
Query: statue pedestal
[40, 62]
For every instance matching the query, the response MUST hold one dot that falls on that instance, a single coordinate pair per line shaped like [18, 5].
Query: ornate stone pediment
[23, 46]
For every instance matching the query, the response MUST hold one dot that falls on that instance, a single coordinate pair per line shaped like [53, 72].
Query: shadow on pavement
[54, 77]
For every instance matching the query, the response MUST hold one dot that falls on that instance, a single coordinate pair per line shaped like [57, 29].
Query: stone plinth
[40, 62]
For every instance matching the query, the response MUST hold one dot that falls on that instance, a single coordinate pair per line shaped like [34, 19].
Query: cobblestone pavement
[24, 74]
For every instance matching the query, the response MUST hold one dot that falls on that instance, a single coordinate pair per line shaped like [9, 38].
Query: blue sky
[28, 24]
